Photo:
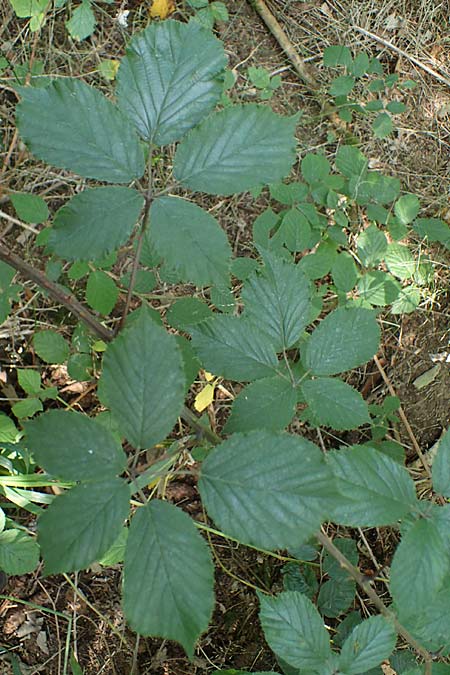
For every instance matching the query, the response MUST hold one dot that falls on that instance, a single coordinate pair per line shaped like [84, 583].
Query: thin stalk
[364, 583]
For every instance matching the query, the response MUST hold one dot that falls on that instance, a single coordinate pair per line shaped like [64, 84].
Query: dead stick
[284, 42]
[403, 417]
[401, 52]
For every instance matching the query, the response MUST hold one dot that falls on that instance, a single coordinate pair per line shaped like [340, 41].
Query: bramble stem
[364, 583]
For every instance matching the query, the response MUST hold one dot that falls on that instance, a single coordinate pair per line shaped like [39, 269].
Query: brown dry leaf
[161, 9]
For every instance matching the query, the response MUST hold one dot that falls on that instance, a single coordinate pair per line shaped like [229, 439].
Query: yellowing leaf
[108, 68]
[204, 398]
[208, 376]
[161, 9]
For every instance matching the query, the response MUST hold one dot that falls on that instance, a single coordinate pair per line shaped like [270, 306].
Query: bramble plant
[261, 486]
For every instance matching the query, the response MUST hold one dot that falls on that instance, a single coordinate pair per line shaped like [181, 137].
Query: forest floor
[418, 153]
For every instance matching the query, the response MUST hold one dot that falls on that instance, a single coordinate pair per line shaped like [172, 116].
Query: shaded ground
[418, 153]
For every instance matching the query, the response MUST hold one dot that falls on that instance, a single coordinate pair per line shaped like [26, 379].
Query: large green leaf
[295, 630]
[19, 553]
[267, 489]
[431, 625]
[168, 576]
[73, 126]
[73, 446]
[235, 348]
[80, 525]
[278, 299]
[418, 568]
[334, 403]
[95, 222]
[241, 147]
[376, 490]
[345, 339]
[143, 381]
[441, 467]
[170, 79]
[369, 643]
[190, 240]
[266, 404]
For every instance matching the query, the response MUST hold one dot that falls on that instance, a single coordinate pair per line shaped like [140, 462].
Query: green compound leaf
[168, 576]
[30, 208]
[277, 506]
[50, 346]
[72, 446]
[295, 630]
[419, 566]
[278, 300]
[400, 261]
[95, 222]
[345, 339]
[82, 524]
[190, 240]
[382, 125]
[101, 292]
[19, 553]
[344, 272]
[369, 643]
[82, 22]
[237, 149]
[335, 597]
[266, 404]
[351, 162]
[372, 245]
[335, 404]
[379, 288]
[337, 55]
[187, 312]
[407, 208]
[170, 79]
[143, 381]
[441, 467]
[73, 126]
[375, 489]
[434, 229]
[235, 348]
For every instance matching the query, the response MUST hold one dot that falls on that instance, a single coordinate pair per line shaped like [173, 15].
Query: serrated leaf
[29, 380]
[278, 300]
[335, 404]
[332, 567]
[190, 240]
[351, 162]
[300, 578]
[236, 149]
[81, 525]
[8, 430]
[433, 229]
[235, 348]
[369, 643]
[418, 568]
[73, 126]
[344, 272]
[382, 125]
[315, 168]
[441, 467]
[30, 208]
[143, 381]
[335, 597]
[273, 507]
[407, 208]
[101, 292]
[342, 85]
[345, 339]
[337, 55]
[19, 553]
[95, 222]
[50, 346]
[379, 288]
[165, 549]
[266, 404]
[170, 79]
[295, 630]
[26, 8]
[407, 300]
[73, 446]
[27, 408]
[187, 312]
[400, 261]
[82, 22]
[375, 489]
[161, 9]
[372, 245]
